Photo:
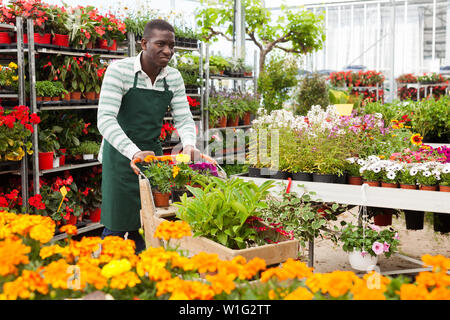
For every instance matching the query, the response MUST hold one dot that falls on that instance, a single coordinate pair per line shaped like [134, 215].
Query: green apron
[140, 117]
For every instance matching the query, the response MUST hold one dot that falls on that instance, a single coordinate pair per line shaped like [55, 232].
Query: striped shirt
[119, 77]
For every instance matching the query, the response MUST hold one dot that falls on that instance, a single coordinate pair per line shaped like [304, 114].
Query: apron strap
[135, 79]
[166, 87]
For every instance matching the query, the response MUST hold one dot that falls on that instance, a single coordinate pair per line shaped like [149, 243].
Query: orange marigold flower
[413, 292]
[222, 282]
[12, 253]
[69, 229]
[300, 294]
[172, 230]
[252, 268]
[125, 280]
[438, 262]
[56, 274]
[206, 262]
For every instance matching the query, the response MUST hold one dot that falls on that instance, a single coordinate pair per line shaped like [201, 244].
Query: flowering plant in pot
[370, 241]
[389, 174]
[160, 174]
[8, 77]
[407, 177]
[16, 127]
[352, 166]
[444, 183]
[428, 177]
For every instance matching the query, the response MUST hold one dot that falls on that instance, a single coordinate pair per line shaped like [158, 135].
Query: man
[134, 98]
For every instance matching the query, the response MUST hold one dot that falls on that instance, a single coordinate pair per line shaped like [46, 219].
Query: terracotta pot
[97, 95]
[222, 123]
[39, 98]
[161, 199]
[47, 98]
[428, 188]
[444, 188]
[408, 186]
[233, 122]
[75, 95]
[66, 96]
[389, 185]
[372, 183]
[247, 117]
[355, 180]
[384, 219]
[55, 98]
[90, 95]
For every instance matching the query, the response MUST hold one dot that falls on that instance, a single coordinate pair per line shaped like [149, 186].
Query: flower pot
[90, 95]
[384, 219]
[302, 176]
[254, 172]
[45, 160]
[66, 96]
[97, 96]
[247, 118]
[55, 98]
[72, 219]
[39, 99]
[441, 222]
[222, 122]
[5, 38]
[232, 122]
[414, 219]
[276, 174]
[428, 188]
[89, 45]
[75, 95]
[62, 157]
[38, 39]
[355, 180]
[372, 183]
[103, 44]
[46, 98]
[95, 215]
[161, 199]
[389, 185]
[89, 156]
[177, 193]
[408, 186]
[341, 179]
[326, 178]
[444, 188]
[344, 109]
[61, 40]
[56, 162]
[360, 262]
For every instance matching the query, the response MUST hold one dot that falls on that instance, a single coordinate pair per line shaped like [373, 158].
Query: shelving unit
[20, 96]
[426, 86]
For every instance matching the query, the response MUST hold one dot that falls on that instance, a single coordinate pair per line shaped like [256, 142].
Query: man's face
[159, 48]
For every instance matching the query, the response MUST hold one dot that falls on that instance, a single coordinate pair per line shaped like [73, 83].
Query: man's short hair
[157, 24]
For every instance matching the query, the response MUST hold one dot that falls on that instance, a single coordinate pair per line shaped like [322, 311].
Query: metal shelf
[7, 26]
[70, 167]
[68, 107]
[79, 54]
[230, 78]
[238, 127]
[91, 226]
[9, 95]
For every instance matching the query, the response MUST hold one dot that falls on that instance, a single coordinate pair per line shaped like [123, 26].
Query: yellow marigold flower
[184, 289]
[115, 248]
[172, 230]
[90, 273]
[49, 251]
[314, 282]
[116, 267]
[12, 253]
[206, 262]
[222, 282]
[183, 158]
[149, 158]
[12, 65]
[416, 139]
[41, 233]
[69, 229]
[128, 279]
[175, 171]
[183, 263]
[15, 78]
[300, 294]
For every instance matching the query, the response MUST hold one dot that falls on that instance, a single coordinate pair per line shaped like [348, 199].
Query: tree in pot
[365, 244]
[313, 91]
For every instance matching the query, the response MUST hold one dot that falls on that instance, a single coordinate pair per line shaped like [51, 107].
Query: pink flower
[386, 247]
[396, 237]
[374, 227]
[378, 248]
[364, 253]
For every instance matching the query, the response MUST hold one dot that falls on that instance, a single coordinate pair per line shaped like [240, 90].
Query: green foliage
[220, 211]
[313, 91]
[338, 96]
[87, 147]
[47, 89]
[235, 168]
[275, 82]
[48, 141]
[160, 175]
[359, 238]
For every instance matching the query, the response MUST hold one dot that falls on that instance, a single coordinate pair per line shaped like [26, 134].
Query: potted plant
[365, 244]
[444, 183]
[371, 174]
[57, 18]
[389, 177]
[352, 168]
[89, 149]
[428, 179]
[219, 62]
[235, 67]
[160, 174]
[8, 77]
[48, 143]
[44, 90]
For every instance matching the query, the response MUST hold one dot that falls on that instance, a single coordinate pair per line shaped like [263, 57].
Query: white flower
[378, 115]
[426, 173]
[436, 172]
[446, 169]
[413, 171]
[351, 160]
[361, 162]
[390, 175]
[376, 169]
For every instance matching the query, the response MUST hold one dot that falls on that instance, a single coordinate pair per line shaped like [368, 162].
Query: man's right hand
[141, 156]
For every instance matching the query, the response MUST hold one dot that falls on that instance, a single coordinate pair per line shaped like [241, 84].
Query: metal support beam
[392, 77]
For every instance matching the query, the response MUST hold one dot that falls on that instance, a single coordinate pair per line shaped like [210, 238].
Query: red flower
[36, 202]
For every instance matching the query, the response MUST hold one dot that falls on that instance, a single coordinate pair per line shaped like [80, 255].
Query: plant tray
[271, 253]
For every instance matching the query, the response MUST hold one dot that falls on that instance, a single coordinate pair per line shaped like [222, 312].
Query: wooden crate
[271, 253]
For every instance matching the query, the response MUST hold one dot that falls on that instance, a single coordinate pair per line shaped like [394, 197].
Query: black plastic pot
[326, 178]
[441, 222]
[341, 179]
[302, 176]
[275, 174]
[414, 219]
[254, 172]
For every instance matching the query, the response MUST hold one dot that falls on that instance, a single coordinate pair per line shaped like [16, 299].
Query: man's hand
[193, 152]
[141, 156]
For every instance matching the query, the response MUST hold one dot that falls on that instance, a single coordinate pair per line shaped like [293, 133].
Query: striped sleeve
[112, 90]
[181, 113]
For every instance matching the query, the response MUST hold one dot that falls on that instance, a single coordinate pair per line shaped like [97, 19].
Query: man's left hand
[193, 152]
